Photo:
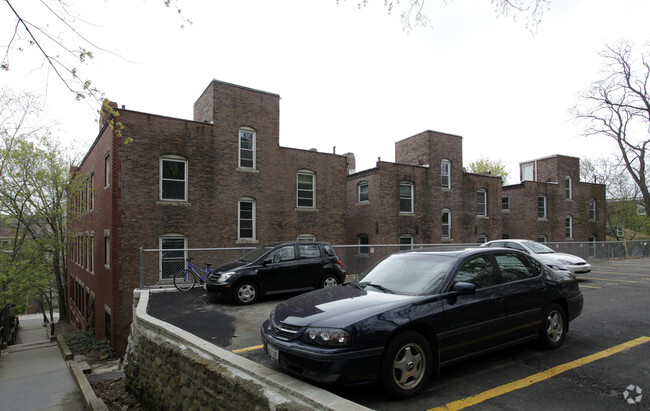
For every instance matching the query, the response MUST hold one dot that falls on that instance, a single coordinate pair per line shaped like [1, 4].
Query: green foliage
[495, 168]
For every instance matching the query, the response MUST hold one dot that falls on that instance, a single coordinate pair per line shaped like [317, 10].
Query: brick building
[223, 180]
[552, 204]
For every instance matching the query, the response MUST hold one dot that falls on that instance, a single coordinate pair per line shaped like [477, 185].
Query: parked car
[276, 268]
[417, 311]
[555, 260]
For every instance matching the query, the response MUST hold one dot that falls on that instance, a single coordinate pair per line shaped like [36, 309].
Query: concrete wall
[170, 369]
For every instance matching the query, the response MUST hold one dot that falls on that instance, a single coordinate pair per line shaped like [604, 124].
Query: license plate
[273, 352]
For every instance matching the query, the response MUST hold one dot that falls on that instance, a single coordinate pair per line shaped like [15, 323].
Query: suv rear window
[329, 250]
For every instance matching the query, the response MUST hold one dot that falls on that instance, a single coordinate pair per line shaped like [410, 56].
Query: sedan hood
[559, 257]
[338, 306]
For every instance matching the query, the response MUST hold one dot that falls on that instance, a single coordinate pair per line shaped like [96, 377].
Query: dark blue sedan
[414, 312]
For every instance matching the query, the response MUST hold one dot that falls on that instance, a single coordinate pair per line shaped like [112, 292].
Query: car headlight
[557, 266]
[329, 337]
[225, 276]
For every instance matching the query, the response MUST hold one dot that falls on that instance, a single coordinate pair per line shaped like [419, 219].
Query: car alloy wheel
[330, 281]
[553, 329]
[246, 293]
[406, 365]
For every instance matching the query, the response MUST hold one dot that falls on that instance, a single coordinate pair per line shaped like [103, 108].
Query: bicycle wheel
[184, 280]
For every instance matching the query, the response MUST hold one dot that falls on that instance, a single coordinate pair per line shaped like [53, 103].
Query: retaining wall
[170, 369]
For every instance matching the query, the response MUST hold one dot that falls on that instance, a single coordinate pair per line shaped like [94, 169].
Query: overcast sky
[348, 78]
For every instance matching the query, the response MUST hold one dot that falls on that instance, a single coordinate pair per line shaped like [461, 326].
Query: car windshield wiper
[377, 286]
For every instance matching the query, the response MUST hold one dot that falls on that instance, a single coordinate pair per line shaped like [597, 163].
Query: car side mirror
[463, 288]
[267, 262]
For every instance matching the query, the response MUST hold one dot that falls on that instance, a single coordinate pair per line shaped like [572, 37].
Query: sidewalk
[33, 373]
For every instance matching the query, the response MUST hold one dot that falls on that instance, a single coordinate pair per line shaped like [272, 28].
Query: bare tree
[618, 106]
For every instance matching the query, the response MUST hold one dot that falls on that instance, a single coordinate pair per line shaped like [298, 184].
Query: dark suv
[276, 268]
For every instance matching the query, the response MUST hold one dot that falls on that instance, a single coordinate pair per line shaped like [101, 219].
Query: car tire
[554, 327]
[406, 366]
[330, 280]
[246, 292]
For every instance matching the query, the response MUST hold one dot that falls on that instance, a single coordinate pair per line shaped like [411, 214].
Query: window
[172, 255]
[515, 267]
[91, 193]
[406, 242]
[528, 172]
[286, 253]
[476, 270]
[308, 250]
[481, 239]
[247, 148]
[541, 207]
[107, 250]
[246, 221]
[107, 170]
[107, 323]
[567, 187]
[362, 240]
[306, 188]
[505, 203]
[542, 239]
[362, 192]
[445, 174]
[173, 179]
[405, 197]
[306, 237]
[569, 226]
[92, 253]
[446, 223]
[592, 246]
[592, 209]
[481, 202]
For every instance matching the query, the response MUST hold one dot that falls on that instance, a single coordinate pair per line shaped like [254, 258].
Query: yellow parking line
[253, 348]
[613, 273]
[588, 286]
[535, 378]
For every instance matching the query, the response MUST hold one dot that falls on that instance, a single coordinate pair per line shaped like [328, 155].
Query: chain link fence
[158, 266]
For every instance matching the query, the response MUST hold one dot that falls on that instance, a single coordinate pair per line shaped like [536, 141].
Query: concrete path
[33, 373]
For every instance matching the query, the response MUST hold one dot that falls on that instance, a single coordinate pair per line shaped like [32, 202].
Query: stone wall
[170, 369]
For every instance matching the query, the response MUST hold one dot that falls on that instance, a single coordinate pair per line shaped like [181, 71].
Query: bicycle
[186, 279]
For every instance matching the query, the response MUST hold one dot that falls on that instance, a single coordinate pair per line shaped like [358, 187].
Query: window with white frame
[406, 242]
[567, 187]
[306, 237]
[592, 246]
[446, 223]
[541, 239]
[481, 202]
[569, 226]
[107, 250]
[592, 209]
[445, 174]
[405, 197]
[172, 255]
[362, 192]
[481, 239]
[505, 203]
[173, 178]
[362, 240]
[541, 207]
[247, 148]
[306, 189]
[107, 170]
[246, 221]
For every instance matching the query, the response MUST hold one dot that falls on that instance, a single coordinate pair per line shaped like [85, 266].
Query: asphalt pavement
[34, 374]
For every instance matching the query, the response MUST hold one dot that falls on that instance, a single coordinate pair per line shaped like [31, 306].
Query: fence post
[141, 268]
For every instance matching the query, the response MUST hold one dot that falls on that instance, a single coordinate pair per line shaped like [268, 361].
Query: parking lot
[603, 365]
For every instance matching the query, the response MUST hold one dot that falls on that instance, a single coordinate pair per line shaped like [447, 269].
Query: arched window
[445, 174]
[446, 223]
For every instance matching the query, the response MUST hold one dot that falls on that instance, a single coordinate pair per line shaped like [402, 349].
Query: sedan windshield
[253, 255]
[538, 248]
[413, 274]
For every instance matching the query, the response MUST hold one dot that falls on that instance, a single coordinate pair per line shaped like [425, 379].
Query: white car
[548, 256]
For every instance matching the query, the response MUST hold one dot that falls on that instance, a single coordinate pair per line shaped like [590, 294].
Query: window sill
[173, 203]
[406, 214]
[483, 217]
[308, 210]
[247, 170]
[363, 202]
[542, 219]
[247, 241]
